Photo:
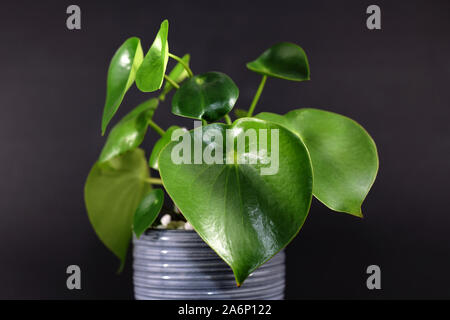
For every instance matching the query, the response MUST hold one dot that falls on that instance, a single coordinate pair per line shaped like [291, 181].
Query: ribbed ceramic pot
[178, 264]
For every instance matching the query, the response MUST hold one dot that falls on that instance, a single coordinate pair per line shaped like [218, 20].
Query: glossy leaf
[148, 211]
[112, 193]
[244, 215]
[150, 75]
[130, 131]
[207, 96]
[284, 60]
[178, 74]
[121, 75]
[344, 156]
[159, 145]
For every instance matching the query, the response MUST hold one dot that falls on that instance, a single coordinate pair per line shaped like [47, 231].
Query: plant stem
[173, 83]
[184, 64]
[154, 180]
[156, 127]
[257, 95]
[227, 119]
[162, 97]
[204, 122]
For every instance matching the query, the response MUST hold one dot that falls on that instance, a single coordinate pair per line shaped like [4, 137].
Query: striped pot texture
[178, 264]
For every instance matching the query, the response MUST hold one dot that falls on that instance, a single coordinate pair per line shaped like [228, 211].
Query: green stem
[257, 95]
[173, 83]
[204, 122]
[184, 64]
[154, 181]
[156, 127]
[227, 119]
[162, 97]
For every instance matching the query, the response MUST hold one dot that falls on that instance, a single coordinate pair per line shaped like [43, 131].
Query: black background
[393, 81]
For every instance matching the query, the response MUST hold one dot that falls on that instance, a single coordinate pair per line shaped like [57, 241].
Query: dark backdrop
[393, 81]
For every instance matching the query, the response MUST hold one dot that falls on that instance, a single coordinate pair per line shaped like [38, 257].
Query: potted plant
[245, 187]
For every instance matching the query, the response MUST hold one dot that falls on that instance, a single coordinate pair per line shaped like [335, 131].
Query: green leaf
[130, 131]
[344, 156]
[244, 215]
[112, 193]
[207, 96]
[178, 74]
[284, 60]
[148, 211]
[159, 145]
[121, 75]
[240, 113]
[150, 75]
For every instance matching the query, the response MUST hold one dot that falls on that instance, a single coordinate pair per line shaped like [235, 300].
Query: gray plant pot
[178, 264]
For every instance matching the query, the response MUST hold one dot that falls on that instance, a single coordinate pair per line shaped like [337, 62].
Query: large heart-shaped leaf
[121, 75]
[246, 214]
[284, 60]
[344, 156]
[207, 96]
[150, 75]
[178, 74]
[130, 131]
[112, 193]
[160, 144]
[148, 211]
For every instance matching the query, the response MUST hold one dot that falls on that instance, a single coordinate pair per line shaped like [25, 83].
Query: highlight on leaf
[150, 75]
[208, 96]
[121, 75]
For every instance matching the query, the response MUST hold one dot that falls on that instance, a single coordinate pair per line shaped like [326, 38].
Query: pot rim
[169, 230]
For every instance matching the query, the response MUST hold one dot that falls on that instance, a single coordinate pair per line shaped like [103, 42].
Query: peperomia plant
[242, 212]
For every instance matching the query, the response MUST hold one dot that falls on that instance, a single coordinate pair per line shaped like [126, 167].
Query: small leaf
[207, 96]
[130, 131]
[344, 156]
[240, 113]
[121, 75]
[284, 60]
[150, 75]
[148, 211]
[178, 74]
[244, 214]
[160, 144]
[112, 193]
